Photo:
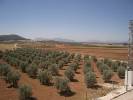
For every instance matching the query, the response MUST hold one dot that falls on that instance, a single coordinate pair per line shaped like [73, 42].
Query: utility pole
[129, 70]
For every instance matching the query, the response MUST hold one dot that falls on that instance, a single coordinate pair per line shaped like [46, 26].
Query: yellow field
[5, 46]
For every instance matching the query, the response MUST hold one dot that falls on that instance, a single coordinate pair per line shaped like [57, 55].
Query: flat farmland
[6, 46]
[118, 53]
[78, 86]
[113, 51]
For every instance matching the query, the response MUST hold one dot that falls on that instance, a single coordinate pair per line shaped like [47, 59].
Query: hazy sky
[80, 20]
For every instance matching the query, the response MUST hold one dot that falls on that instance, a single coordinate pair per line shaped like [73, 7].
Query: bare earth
[7, 93]
[42, 92]
[104, 52]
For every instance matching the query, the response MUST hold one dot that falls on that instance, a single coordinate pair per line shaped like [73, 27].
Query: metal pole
[129, 51]
[127, 80]
[128, 67]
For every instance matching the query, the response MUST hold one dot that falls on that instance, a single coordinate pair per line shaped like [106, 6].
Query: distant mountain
[63, 40]
[105, 42]
[11, 37]
[54, 39]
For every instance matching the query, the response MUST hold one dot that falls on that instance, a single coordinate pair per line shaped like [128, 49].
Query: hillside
[11, 37]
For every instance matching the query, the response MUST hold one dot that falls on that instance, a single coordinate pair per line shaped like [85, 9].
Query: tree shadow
[12, 86]
[112, 82]
[77, 72]
[32, 98]
[62, 69]
[33, 77]
[67, 94]
[9, 86]
[95, 87]
[75, 80]
[50, 84]
[59, 74]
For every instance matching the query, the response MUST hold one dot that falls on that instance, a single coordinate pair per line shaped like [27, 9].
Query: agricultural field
[118, 52]
[7, 46]
[60, 72]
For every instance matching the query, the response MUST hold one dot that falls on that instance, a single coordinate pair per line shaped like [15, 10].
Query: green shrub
[87, 67]
[72, 55]
[23, 66]
[78, 57]
[90, 79]
[114, 66]
[99, 64]
[74, 66]
[121, 72]
[4, 69]
[45, 77]
[65, 60]
[124, 64]
[87, 64]
[44, 65]
[107, 74]
[69, 73]
[32, 70]
[53, 69]
[25, 92]
[60, 64]
[106, 60]
[62, 85]
[94, 58]
[104, 67]
[13, 78]
[118, 62]
[87, 57]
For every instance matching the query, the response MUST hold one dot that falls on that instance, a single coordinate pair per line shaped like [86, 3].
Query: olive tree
[13, 78]
[32, 70]
[90, 79]
[60, 64]
[4, 69]
[23, 66]
[114, 66]
[69, 73]
[45, 77]
[87, 67]
[107, 74]
[74, 66]
[62, 85]
[104, 67]
[94, 58]
[53, 69]
[99, 64]
[25, 92]
[121, 72]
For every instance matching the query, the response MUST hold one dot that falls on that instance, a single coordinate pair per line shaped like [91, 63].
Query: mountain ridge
[10, 37]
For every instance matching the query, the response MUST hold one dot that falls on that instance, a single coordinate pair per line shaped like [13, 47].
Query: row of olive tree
[105, 70]
[116, 66]
[42, 65]
[11, 76]
[90, 78]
